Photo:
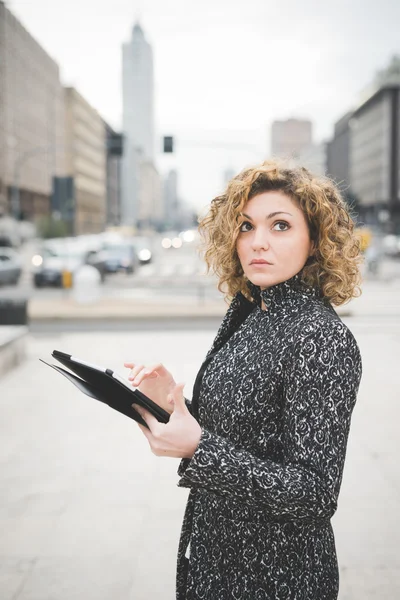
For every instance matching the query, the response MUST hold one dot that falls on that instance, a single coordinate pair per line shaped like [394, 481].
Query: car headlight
[37, 260]
[177, 242]
[145, 254]
[188, 236]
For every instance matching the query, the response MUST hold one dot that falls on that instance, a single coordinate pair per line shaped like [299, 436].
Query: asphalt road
[172, 271]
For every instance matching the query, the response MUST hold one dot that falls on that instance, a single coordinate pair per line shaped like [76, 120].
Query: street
[174, 271]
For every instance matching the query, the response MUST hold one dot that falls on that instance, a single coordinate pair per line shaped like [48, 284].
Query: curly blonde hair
[334, 266]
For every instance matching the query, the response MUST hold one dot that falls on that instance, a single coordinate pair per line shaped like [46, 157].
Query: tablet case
[101, 384]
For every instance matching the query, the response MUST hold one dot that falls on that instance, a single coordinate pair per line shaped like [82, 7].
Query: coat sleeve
[320, 386]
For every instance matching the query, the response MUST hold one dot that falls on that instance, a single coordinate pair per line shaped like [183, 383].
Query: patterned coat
[274, 399]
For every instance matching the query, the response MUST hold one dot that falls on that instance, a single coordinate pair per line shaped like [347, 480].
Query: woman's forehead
[271, 200]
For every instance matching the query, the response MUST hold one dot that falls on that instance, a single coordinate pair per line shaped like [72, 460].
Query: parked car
[10, 266]
[120, 257]
[67, 255]
[144, 251]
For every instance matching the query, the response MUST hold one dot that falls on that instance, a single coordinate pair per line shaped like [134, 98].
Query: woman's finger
[159, 367]
[135, 371]
[145, 374]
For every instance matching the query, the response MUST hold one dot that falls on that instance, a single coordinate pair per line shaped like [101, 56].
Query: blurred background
[119, 122]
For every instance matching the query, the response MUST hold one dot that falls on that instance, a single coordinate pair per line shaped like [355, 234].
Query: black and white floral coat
[274, 399]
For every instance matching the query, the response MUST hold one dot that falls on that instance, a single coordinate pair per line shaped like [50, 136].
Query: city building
[290, 137]
[31, 121]
[375, 156]
[86, 160]
[150, 211]
[386, 77]
[338, 153]
[170, 197]
[137, 119]
[114, 142]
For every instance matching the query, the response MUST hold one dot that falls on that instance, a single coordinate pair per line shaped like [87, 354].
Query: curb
[119, 309]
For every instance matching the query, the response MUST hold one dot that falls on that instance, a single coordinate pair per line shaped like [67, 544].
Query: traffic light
[168, 144]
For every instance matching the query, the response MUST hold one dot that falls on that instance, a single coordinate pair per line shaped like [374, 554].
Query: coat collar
[287, 292]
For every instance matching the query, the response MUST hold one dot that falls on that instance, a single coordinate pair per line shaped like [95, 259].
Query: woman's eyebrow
[273, 214]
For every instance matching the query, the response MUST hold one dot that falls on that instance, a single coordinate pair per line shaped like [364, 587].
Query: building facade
[113, 175]
[150, 213]
[375, 157]
[31, 121]
[338, 153]
[86, 162]
[170, 198]
[137, 118]
[290, 137]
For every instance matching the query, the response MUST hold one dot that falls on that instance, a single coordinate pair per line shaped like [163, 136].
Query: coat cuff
[195, 471]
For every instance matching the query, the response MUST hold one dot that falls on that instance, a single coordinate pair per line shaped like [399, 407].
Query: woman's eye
[281, 226]
[245, 226]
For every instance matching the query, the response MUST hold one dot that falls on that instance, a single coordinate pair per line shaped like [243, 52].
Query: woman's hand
[155, 381]
[179, 437]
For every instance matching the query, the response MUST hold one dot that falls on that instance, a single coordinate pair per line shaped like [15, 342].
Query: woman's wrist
[195, 443]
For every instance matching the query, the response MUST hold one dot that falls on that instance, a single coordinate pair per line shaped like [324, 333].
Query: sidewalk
[88, 513]
[377, 298]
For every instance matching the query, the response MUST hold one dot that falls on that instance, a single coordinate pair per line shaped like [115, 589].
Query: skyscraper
[137, 118]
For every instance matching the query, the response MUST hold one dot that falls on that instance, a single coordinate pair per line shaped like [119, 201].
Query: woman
[263, 440]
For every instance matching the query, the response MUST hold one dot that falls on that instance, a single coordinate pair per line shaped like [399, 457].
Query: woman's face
[274, 241]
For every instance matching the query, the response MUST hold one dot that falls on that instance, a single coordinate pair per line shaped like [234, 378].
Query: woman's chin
[262, 281]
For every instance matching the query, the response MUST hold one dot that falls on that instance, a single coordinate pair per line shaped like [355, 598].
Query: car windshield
[118, 250]
[63, 253]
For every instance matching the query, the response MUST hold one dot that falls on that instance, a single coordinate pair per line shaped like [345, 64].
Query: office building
[338, 153]
[85, 135]
[115, 150]
[150, 211]
[31, 121]
[375, 155]
[170, 192]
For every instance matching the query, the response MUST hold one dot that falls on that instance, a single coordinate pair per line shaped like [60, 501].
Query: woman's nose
[260, 241]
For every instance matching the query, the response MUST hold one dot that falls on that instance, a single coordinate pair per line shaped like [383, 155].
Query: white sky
[224, 69]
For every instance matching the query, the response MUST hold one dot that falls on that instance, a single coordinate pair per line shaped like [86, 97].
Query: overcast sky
[224, 69]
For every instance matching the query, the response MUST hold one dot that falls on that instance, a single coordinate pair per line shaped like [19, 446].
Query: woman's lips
[260, 263]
